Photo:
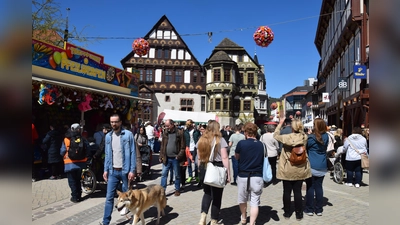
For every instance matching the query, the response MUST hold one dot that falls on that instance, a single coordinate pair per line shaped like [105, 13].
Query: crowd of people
[119, 152]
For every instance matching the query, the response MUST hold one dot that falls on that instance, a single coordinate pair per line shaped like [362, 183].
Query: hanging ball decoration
[263, 36]
[140, 47]
[298, 113]
[274, 105]
[309, 104]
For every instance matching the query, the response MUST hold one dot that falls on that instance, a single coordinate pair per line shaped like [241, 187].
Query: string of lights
[210, 33]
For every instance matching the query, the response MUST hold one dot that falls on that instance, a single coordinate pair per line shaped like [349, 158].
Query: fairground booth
[74, 85]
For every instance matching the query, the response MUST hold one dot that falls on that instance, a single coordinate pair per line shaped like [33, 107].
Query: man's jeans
[112, 184]
[151, 144]
[190, 169]
[171, 162]
[235, 168]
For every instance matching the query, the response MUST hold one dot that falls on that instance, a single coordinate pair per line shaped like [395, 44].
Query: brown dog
[139, 201]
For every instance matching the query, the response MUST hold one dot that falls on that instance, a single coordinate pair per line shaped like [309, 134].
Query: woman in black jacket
[52, 144]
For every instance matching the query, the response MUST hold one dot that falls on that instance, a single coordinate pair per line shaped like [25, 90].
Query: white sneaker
[357, 185]
[349, 184]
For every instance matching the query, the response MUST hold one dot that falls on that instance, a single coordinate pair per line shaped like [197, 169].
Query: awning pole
[82, 122]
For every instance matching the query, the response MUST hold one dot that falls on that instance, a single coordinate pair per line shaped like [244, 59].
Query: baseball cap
[75, 126]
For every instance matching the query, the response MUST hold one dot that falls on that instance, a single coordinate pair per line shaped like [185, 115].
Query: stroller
[145, 152]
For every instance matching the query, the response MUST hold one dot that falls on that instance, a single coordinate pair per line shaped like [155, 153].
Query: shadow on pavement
[231, 215]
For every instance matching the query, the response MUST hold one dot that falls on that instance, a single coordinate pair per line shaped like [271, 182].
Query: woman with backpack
[292, 176]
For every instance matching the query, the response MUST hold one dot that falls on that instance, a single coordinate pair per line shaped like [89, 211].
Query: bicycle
[89, 181]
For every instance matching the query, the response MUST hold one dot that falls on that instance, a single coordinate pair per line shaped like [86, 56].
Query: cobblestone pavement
[342, 204]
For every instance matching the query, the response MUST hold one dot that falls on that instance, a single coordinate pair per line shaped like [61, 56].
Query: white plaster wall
[174, 102]
[173, 53]
[158, 76]
[187, 76]
[208, 78]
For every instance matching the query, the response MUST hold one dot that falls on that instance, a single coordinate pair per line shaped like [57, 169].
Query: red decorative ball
[309, 104]
[274, 106]
[141, 47]
[298, 113]
[263, 36]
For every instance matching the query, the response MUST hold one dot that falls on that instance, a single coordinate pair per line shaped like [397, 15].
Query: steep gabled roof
[155, 27]
[219, 56]
[227, 43]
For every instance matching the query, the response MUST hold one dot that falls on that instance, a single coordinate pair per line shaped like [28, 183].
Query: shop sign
[81, 62]
[325, 97]
[360, 72]
[342, 84]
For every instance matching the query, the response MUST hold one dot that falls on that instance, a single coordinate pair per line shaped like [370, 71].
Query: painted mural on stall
[81, 62]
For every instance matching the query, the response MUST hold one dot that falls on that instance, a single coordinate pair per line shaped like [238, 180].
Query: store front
[74, 85]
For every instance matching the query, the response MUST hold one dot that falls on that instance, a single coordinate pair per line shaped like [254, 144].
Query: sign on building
[342, 84]
[325, 97]
[360, 72]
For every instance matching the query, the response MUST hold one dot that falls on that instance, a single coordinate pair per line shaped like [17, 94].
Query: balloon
[57, 57]
[140, 47]
[52, 62]
[263, 36]
[274, 105]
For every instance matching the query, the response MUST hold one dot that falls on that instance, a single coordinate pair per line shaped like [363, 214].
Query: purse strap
[212, 151]
[354, 147]
[265, 150]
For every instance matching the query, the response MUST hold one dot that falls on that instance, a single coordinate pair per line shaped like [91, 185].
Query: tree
[49, 24]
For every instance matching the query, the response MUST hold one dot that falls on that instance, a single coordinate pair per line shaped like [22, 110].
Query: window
[159, 53]
[146, 108]
[178, 76]
[211, 104]
[246, 105]
[167, 98]
[217, 75]
[149, 75]
[202, 78]
[250, 78]
[195, 77]
[227, 75]
[217, 104]
[236, 105]
[203, 103]
[262, 105]
[168, 76]
[241, 78]
[141, 75]
[186, 104]
[225, 104]
[166, 54]
[240, 58]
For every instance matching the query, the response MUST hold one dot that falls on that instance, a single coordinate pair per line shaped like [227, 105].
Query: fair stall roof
[181, 116]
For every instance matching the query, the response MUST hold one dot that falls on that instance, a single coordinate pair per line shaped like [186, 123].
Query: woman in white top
[272, 146]
[354, 145]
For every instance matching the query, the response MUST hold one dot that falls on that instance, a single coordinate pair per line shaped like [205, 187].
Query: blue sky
[290, 59]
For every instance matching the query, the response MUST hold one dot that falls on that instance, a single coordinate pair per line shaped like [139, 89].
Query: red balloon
[274, 106]
[141, 47]
[263, 36]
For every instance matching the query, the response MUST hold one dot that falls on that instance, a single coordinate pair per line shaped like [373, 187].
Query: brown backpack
[298, 155]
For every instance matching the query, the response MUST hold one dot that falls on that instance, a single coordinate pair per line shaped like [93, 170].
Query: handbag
[364, 157]
[267, 171]
[215, 175]
[298, 155]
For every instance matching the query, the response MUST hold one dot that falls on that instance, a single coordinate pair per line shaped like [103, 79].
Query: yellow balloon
[64, 56]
